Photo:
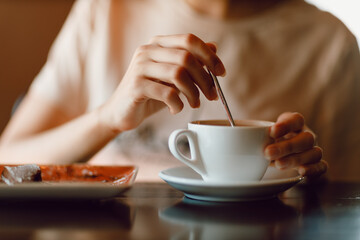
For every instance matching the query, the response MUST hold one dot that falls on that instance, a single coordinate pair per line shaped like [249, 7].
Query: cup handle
[195, 161]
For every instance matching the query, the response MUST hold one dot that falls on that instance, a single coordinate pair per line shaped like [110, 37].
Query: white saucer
[188, 181]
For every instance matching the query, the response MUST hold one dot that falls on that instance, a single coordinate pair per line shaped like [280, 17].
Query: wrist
[103, 124]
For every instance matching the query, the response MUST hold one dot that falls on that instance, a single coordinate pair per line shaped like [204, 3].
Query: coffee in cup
[224, 154]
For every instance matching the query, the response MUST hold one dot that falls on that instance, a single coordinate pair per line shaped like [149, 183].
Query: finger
[313, 170]
[311, 156]
[163, 93]
[196, 47]
[185, 59]
[176, 75]
[302, 142]
[286, 123]
[212, 46]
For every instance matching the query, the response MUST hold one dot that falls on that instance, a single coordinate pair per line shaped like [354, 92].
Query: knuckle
[140, 68]
[154, 39]
[141, 51]
[137, 82]
[138, 79]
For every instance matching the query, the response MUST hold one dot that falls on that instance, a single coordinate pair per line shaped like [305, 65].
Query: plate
[191, 184]
[78, 181]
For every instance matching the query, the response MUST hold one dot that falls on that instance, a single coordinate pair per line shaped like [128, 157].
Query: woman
[117, 64]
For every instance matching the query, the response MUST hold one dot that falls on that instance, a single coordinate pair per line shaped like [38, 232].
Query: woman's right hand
[158, 73]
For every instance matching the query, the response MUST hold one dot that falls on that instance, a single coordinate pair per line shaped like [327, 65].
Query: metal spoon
[222, 97]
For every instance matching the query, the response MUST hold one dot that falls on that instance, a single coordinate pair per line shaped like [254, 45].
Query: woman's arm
[40, 132]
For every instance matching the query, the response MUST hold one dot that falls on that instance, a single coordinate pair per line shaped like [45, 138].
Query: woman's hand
[294, 146]
[158, 73]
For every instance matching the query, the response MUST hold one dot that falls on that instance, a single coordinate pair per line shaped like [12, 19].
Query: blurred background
[28, 28]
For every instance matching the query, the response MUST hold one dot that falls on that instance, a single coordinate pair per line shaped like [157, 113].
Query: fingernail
[281, 164]
[220, 70]
[302, 171]
[272, 131]
[272, 152]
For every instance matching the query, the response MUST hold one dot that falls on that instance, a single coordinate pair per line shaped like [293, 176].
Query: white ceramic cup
[224, 154]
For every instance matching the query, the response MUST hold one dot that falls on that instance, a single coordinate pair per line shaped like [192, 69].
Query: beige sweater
[291, 58]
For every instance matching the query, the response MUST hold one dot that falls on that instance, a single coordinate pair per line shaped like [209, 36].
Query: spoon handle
[222, 97]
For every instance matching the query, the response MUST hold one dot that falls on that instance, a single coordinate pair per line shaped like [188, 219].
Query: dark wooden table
[157, 211]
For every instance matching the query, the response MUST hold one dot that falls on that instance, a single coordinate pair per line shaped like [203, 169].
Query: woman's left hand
[294, 146]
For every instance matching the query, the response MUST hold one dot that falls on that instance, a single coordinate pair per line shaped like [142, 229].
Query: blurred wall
[346, 10]
[27, 30]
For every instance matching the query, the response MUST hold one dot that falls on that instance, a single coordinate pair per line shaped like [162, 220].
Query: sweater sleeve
[61, 78]
[342, 101]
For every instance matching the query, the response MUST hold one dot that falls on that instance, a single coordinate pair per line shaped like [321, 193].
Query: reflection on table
[70, 219]
[157, 211]
[248, 220]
